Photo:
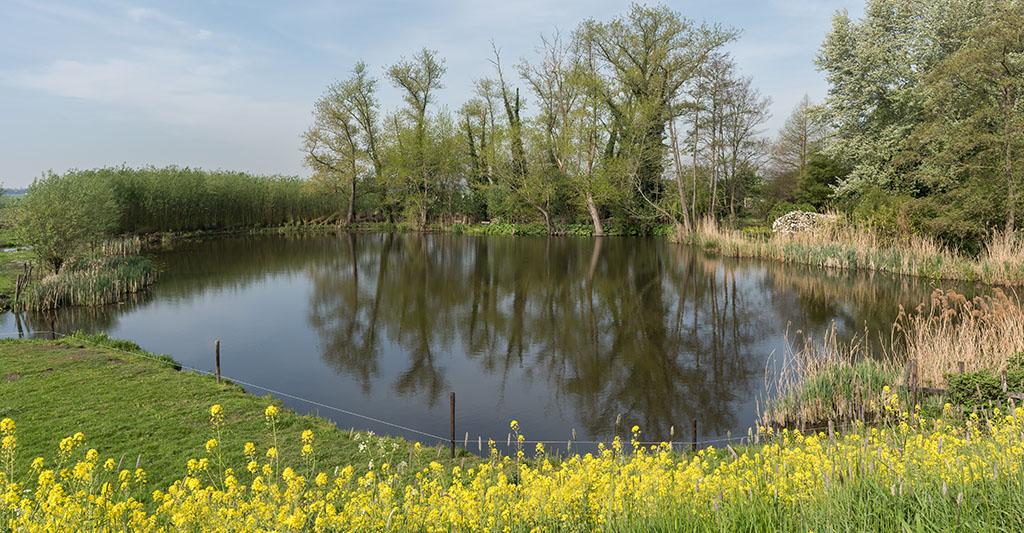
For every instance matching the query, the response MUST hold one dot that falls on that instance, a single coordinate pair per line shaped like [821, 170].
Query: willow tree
[62, 216]
[569, 89]
[332, 149]
[651, 53]
[419, 77]
[876, 67]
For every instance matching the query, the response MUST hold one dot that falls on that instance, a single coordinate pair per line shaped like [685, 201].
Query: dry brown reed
[979, 333]
[845, 246]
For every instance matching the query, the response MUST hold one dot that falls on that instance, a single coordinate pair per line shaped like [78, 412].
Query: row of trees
[640, 120]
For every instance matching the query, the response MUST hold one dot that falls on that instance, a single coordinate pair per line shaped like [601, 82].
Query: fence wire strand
[568, 442]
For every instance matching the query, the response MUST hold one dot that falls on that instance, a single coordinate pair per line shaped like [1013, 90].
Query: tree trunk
[678, 163]
[696, 141]
[547, 220]
[1011, 189]
[595, 217]
[351, 217]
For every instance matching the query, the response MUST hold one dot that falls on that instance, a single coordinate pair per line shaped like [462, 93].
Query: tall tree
[530, 184]
[976, 95]
[652, 53]
[746, 111]
[802, 136]
[331, 147]
[360, 95]
[419, 77]
[875, 67]
[570, 88]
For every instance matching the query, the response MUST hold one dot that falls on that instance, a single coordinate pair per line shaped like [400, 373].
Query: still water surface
[561, 334]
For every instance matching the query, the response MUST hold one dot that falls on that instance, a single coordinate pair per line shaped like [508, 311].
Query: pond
[566, 335]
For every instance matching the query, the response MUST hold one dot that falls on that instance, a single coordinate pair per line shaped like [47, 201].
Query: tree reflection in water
[654, 332]
[573, 331]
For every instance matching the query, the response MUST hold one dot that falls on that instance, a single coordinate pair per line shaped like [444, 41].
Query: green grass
[842, 391]
[131, 408]
[866, 505]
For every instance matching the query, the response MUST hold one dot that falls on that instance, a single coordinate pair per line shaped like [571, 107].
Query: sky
[223, 84]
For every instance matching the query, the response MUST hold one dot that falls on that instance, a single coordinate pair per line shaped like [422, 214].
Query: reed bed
[828, 380]
[91, 282]
[176, 199]
[843, 246]
[124, 246]
[953, 342]
[952, 332]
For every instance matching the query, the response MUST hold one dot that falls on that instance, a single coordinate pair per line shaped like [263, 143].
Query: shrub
[972, 390]
[63, 215]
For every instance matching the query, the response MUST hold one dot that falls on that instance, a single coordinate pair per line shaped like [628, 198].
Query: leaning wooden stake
[914, 385]
[451, 396]
[216, 357]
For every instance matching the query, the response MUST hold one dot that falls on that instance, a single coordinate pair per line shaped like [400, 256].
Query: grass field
[133, 408]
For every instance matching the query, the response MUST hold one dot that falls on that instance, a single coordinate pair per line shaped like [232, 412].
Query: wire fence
[753, 435]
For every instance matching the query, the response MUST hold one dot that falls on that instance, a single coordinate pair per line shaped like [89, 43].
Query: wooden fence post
[451, 397]
[695, 434]
[216, 357]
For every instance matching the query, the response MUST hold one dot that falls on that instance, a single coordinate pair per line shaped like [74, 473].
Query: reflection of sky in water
[560, 334]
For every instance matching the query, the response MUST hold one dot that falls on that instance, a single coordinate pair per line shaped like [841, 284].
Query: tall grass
[844, 246]
[980, 333]
[95, 281]
[836, 380]
[828, 380]
[184, 199]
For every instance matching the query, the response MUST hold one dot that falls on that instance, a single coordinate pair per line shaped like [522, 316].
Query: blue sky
[230, 84]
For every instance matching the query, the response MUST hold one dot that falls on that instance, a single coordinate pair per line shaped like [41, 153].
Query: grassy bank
[846, 247]
[136, 409]
[969, 352]
[908, 473]
[170, 452]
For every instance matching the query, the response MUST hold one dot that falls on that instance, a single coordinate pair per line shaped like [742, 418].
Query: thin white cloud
[173, 87]
[238, 91]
